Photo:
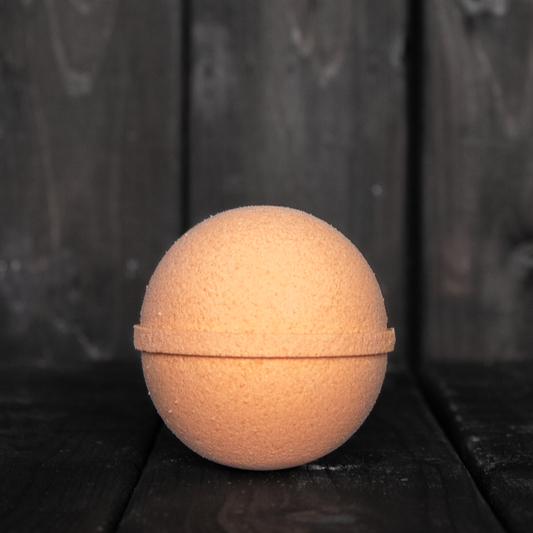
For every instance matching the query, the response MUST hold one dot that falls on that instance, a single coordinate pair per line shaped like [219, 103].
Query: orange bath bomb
[264, 338]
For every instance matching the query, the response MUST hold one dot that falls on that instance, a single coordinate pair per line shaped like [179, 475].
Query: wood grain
[89, 113]
[486, 410]
[478, 185]
[397, 473]
[301, 103]
[72, 445]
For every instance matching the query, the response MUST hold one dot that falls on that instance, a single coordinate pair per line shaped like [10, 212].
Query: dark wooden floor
[84, 450]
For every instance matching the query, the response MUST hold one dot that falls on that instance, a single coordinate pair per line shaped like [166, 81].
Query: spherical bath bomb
[264, 338]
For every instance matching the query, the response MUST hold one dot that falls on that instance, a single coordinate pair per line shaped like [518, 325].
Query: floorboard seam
[122, 513]
[441, 420]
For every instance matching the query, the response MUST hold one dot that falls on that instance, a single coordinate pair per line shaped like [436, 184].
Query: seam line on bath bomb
[220, 344]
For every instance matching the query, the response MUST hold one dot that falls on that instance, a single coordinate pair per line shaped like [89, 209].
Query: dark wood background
[478, 181]
[124, 123]
[407, 124]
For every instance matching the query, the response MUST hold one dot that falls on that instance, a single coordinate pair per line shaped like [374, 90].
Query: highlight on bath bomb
[264, 338]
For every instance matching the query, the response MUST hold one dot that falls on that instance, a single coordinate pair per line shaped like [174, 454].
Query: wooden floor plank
[488, 412]
[72, 446]
[398, 473]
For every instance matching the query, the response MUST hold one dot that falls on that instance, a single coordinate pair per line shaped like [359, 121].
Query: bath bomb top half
[263, 281]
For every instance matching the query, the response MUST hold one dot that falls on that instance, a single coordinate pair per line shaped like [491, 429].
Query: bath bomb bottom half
[263, 413]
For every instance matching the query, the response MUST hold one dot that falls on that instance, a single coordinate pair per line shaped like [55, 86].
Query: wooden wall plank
[89, 127]
[73, 445]
[478, 180]
[487, 411]
[302, 103]
[397, 473]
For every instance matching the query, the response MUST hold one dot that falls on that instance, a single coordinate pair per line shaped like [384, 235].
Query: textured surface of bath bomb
[264, 338]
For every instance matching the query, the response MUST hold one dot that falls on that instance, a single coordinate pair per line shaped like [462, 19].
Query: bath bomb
[264, 338]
